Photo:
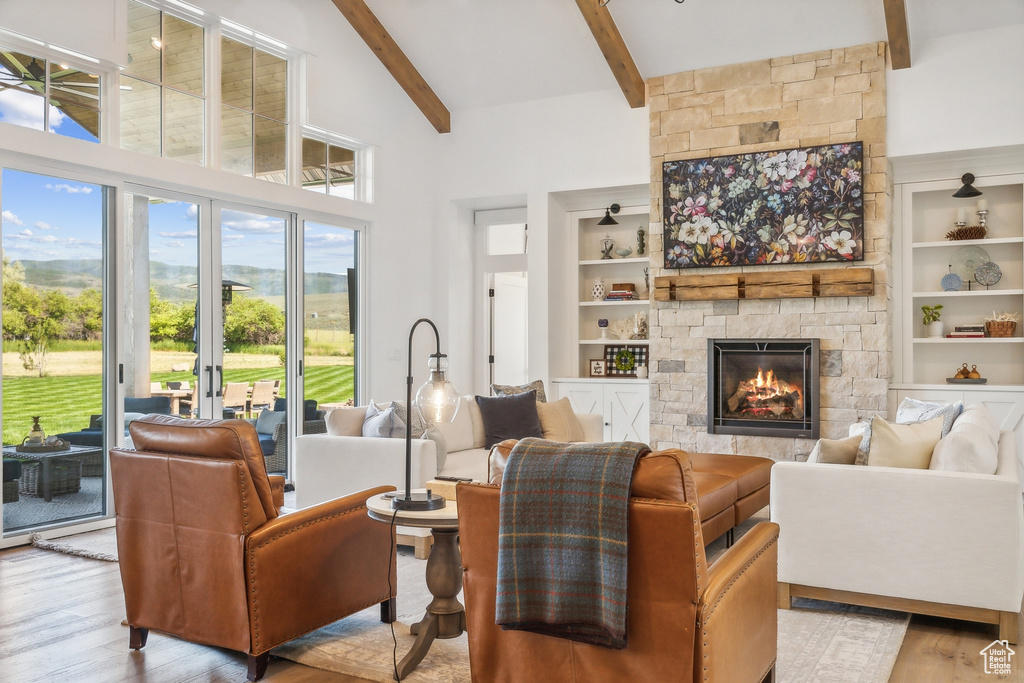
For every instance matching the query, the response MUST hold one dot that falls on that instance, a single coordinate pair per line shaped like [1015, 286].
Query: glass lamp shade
[438, 400]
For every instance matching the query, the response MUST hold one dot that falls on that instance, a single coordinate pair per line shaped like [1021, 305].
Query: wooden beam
[395, 61]
[899, 34]
[615, 51]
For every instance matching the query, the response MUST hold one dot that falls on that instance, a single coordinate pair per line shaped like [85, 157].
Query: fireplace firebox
[763, 387]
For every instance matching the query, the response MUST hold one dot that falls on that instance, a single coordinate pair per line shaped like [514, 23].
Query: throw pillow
[967, 448]
[440, 445]
[981, 416]
[509, 417]
[513, 389]
[912, 410]
[911, 445]
[459, 434]
[382, 424]
[268, 421]
[346, 421]
[558, 422]
[418, 424]
[863, 430]
[836, 451]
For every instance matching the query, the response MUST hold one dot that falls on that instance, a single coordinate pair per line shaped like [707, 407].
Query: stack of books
[967, 332]
[621, 291]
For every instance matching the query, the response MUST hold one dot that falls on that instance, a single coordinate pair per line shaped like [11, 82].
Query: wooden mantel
[771, 284]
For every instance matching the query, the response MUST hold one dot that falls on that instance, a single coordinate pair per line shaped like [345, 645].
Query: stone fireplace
[763, 387]
[819, 98]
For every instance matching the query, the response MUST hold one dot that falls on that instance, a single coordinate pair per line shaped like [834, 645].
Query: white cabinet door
[585, 397]
[627, 410]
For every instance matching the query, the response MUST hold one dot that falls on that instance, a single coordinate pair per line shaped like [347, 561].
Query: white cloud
[255, 226]
[70, 189]
[191, 212]
[174, 244]
[27, 235]
[329, 238]
[10, 217]
[231, 238]
[185, 234]
[21, 109]
[45, 226]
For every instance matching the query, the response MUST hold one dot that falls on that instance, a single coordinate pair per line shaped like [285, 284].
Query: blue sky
[47, 218]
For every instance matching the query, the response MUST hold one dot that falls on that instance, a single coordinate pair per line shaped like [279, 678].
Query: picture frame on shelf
[622, 360]
[597, 367]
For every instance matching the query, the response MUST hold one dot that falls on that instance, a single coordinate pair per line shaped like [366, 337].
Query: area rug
[818, 641]
[96, 545]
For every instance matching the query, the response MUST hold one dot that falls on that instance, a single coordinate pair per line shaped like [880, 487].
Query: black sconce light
[967, 190]
[608, 220]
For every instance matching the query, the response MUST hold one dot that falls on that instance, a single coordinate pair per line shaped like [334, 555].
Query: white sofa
[328, 466]
[948, 544]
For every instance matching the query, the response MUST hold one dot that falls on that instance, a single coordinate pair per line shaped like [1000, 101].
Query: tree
[169, 320]
[253, 321]
[86, 316]
[43, 326]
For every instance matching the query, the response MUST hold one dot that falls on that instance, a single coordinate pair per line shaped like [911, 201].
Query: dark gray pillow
[511, 389]
[509, 417]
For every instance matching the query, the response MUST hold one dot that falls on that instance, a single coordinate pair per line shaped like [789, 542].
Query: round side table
[445, 616]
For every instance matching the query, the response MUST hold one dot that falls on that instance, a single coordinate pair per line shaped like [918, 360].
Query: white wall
[962, 92]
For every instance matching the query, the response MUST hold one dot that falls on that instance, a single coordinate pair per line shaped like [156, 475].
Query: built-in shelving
[927, 212]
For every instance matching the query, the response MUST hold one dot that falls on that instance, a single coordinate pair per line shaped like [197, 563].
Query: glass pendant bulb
[437, 400]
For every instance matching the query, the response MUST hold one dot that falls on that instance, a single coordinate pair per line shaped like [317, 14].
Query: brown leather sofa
[206, 557]
[730, 488]
[686, 621]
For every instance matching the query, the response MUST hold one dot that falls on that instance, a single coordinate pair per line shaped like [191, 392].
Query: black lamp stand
[415, 501]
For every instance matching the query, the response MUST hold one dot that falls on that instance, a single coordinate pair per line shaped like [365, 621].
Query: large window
[254, 107]
[49, 95]
[162, 88]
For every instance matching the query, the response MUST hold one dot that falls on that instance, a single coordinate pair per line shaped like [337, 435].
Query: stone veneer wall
[819, 98]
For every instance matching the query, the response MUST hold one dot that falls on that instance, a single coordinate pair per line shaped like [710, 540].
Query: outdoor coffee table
[47, 462]
[445, 617]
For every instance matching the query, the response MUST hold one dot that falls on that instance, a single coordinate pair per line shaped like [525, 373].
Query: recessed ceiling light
[156, 42]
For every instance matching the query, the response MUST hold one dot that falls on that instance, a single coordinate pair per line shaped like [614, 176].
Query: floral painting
[790, 206]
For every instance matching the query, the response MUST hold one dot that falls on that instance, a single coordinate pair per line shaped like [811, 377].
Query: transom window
[329, 168]
[254, 108]
[49, 95]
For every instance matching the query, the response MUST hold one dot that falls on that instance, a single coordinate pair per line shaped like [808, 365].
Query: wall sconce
[614, 208]
[967, 190]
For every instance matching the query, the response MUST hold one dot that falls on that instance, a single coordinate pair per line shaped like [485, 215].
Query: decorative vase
[641, 372]
[641, 246]
[602, 324]
[935, 329]
[598, 290]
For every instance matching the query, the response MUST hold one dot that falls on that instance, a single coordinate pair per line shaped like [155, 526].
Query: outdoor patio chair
[236, 396]
[262, 397]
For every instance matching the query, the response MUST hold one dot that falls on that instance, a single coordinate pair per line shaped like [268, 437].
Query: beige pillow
[911, 445]
[558, 422]
[838, 451]
[461, 434]
[346, 421]
[967, 448]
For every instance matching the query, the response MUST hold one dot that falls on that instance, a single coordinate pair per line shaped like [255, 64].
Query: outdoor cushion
[267, 443]
[160, 405]
[12, 469]
[308, 407]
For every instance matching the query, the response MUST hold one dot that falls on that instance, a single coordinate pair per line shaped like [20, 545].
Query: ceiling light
[608, 220]
[967, 190]
[156, 43]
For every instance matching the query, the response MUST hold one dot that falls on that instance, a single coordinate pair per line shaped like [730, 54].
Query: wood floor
[60, 619]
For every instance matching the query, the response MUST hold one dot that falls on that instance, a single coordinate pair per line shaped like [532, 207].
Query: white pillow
[912, 410]
[382, 424]
[967, 448]
[981, 416]
[461, 434]
[346, 421]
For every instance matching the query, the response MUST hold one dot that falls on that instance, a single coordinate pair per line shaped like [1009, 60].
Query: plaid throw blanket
[562, 539]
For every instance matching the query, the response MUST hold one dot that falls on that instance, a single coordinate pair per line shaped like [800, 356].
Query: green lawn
[65, 403]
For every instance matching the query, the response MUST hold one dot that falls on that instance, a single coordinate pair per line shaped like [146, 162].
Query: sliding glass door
[54, 231]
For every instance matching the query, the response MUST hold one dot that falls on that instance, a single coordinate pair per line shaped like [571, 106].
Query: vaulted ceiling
[482, 53]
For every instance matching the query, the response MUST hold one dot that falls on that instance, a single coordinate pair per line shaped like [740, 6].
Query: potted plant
[931, 319]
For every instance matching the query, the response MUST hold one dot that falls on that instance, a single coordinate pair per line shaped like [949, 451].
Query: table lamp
[437, 401]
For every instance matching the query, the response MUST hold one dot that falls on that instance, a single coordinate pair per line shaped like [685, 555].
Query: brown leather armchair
[205, 556]
[687, 621]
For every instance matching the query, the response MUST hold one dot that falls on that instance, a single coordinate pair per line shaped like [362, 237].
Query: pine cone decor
[968, 232]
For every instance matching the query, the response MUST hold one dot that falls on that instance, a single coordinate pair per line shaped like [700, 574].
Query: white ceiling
[481, 53]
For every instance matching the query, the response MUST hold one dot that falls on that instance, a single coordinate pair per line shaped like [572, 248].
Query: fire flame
[765, 396]
[766, 386]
